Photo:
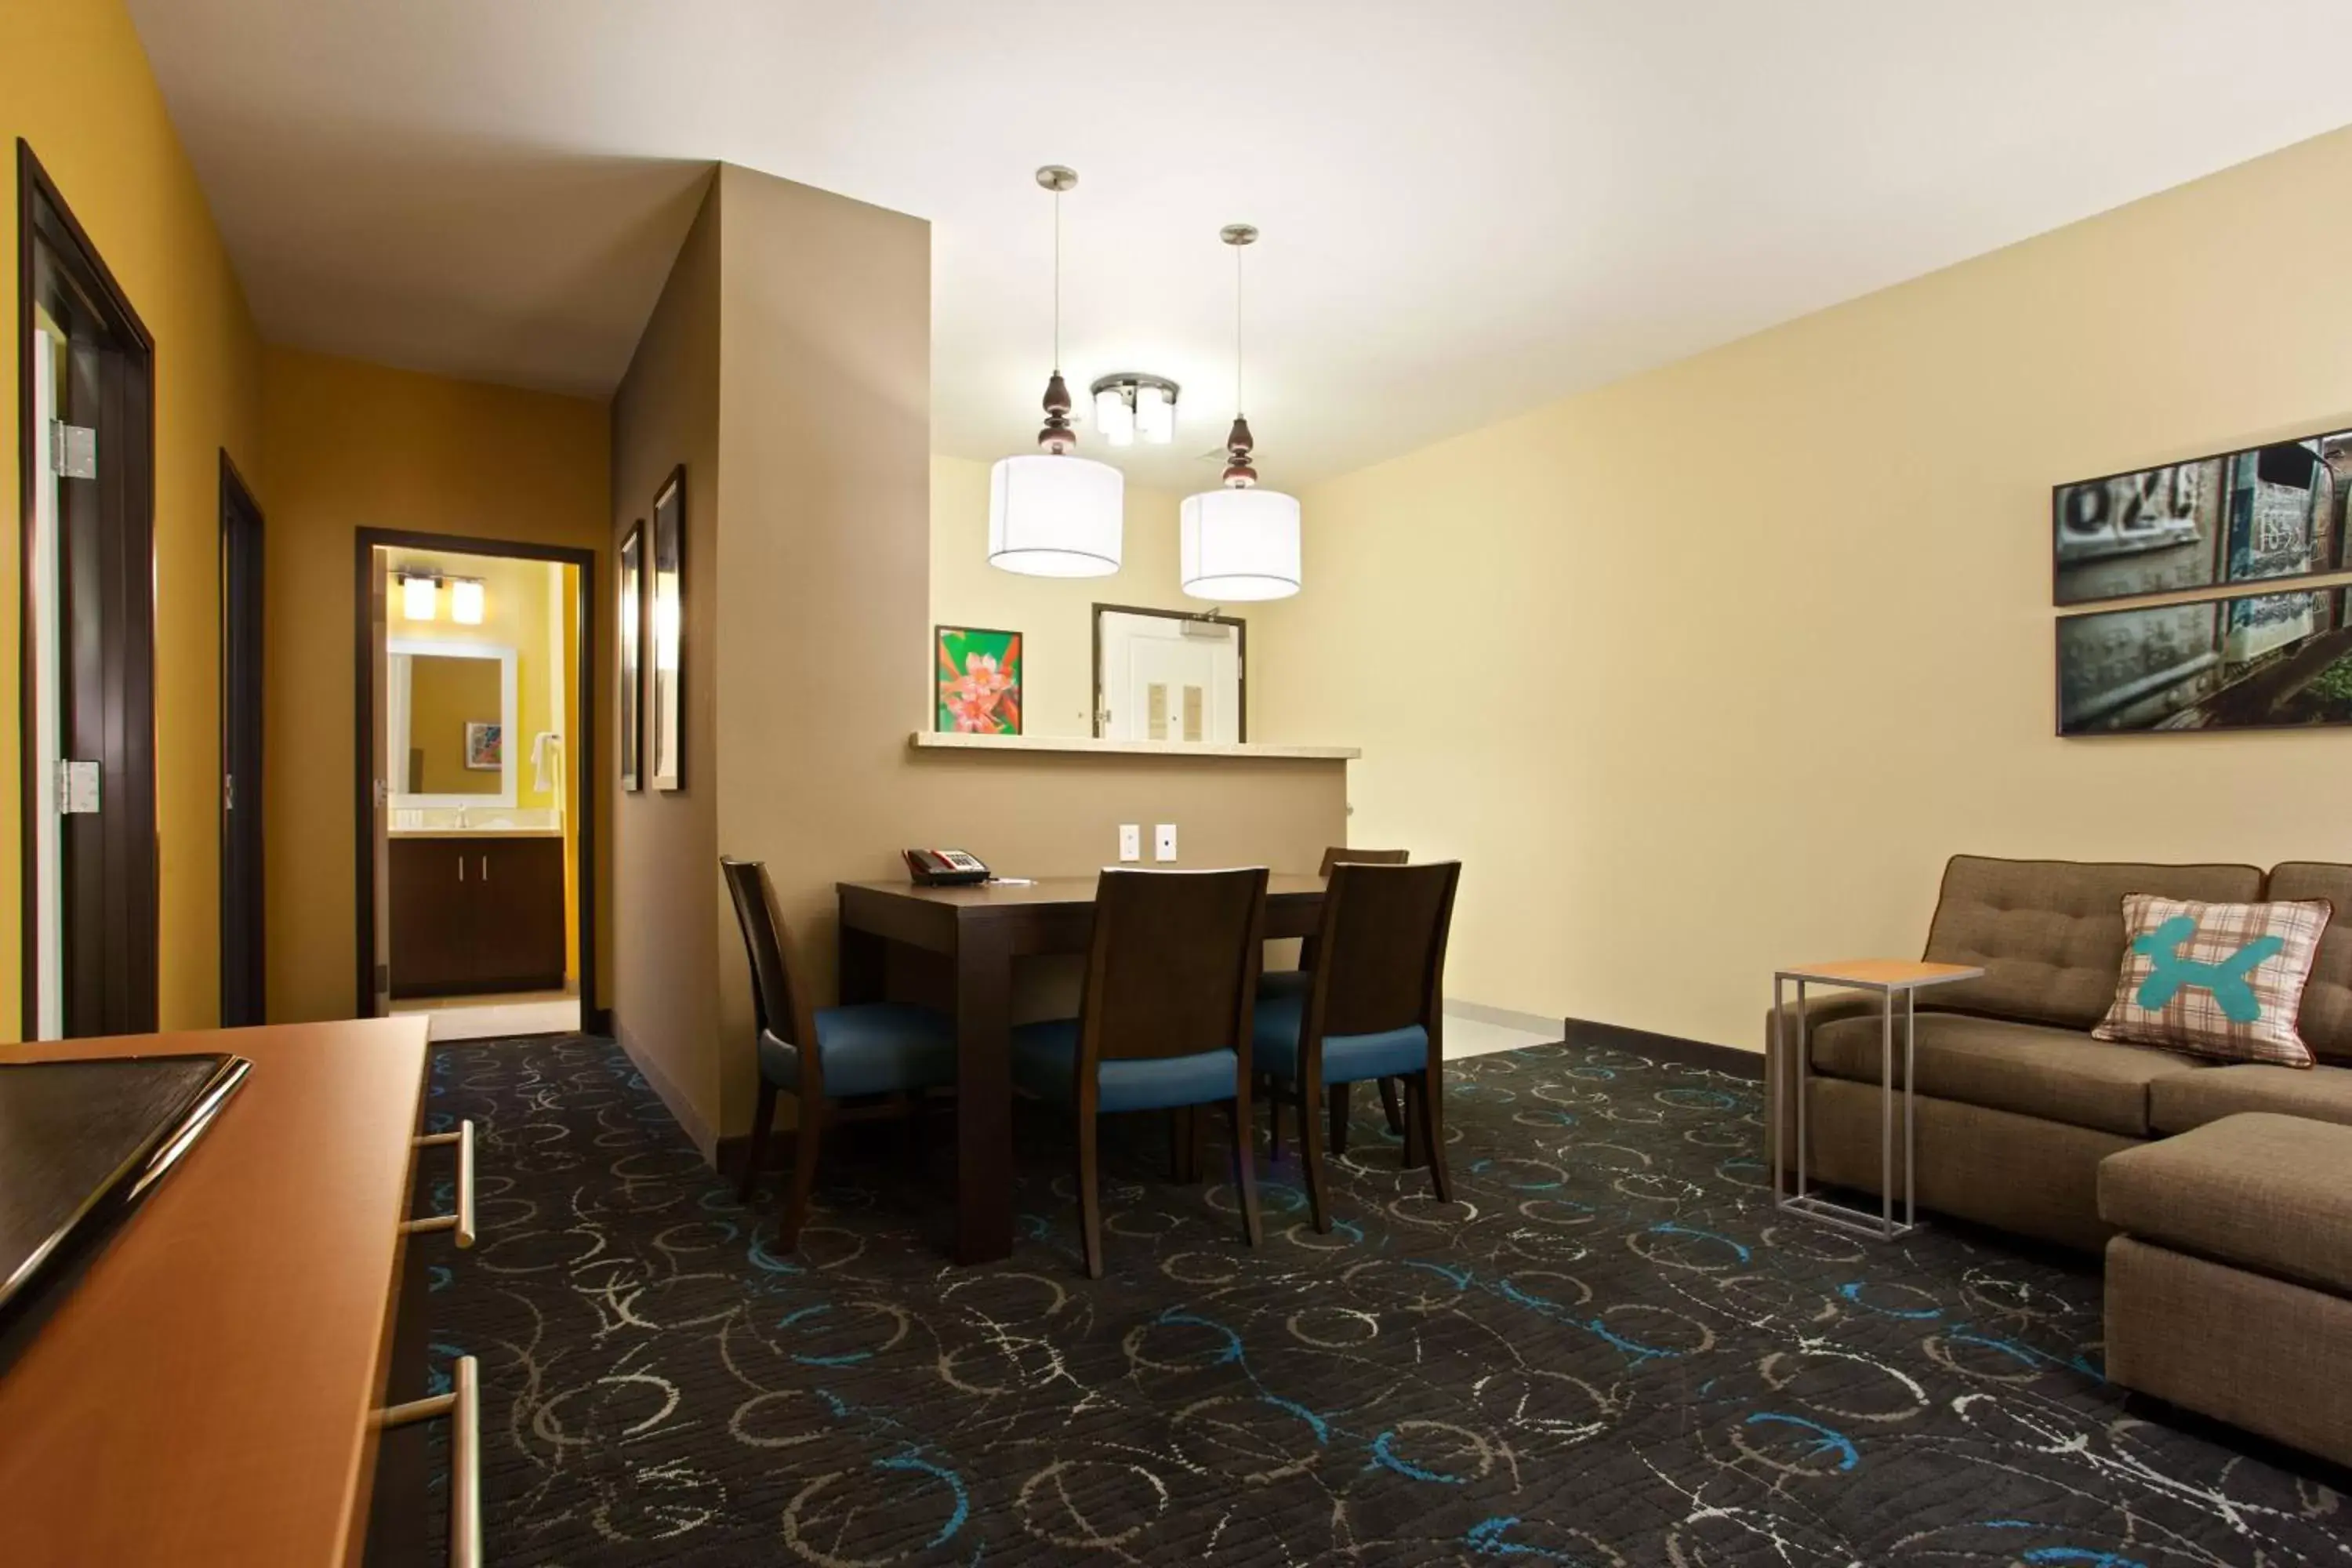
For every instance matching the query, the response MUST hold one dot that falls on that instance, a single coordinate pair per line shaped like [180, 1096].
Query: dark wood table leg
[983, 967]
[862, 966]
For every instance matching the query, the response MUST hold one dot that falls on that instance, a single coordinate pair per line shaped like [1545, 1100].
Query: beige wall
[665, 413]
[74, 84]
[1708, 671]
[1055, 616]
[809, 614]
[351, 445]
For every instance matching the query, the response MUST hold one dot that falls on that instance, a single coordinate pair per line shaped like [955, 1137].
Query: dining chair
[868, 1049]
[1277, 982]
[1374, 1008]
[1163, 1021]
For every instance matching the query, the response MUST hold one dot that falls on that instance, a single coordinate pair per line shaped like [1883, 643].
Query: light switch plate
[1163, 841]
[1130, 841]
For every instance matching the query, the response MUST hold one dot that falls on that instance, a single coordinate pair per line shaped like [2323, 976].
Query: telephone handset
[944, 867]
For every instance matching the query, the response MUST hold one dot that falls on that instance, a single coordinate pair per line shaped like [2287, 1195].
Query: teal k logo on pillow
[2226, 980]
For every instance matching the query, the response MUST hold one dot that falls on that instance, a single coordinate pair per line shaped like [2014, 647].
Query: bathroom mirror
[449, 717]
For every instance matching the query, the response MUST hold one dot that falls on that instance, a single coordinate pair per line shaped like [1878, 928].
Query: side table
[1889, 978]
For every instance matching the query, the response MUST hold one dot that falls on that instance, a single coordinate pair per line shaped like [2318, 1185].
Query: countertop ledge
[1084, 745]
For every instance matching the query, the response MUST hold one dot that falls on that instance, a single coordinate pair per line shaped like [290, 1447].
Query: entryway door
[241, 925]
[1162, 675]
[87, 703]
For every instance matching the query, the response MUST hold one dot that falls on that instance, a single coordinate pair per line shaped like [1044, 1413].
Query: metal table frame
[1882, 1227]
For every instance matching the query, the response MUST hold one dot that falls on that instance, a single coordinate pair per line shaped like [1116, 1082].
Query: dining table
[980, 930]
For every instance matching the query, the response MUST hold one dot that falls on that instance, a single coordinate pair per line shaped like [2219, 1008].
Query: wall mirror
[449, 717]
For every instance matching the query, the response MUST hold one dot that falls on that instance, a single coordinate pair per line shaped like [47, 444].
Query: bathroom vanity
[476, 912]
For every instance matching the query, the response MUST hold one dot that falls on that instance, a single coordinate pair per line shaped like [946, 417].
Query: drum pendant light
[1051, 513]
[1239, 542]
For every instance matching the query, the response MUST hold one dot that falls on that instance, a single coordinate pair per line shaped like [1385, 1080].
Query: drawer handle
[462, 1222]
[463, 1406]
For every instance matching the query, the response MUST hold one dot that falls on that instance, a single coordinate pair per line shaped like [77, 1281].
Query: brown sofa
[2017, 1105]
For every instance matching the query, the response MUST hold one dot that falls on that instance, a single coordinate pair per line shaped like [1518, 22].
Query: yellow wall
[1055, 616]
[74, 83]
[350, 445]
[1706, 672]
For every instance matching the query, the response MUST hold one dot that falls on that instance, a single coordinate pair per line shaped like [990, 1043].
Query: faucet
[461, 819]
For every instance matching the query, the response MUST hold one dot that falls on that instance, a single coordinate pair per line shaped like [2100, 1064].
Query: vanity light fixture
[1052, 513]
[419, 592]
[1132, 406]
[1240, 541]
[466, 600]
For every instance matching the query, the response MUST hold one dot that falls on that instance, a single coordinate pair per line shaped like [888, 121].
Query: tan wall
[351, 445]
[665, 413]
[1706, 672]
[74, 83]
[1055, 616]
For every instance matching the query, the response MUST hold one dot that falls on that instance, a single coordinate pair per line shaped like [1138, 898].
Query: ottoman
[2229, 1291]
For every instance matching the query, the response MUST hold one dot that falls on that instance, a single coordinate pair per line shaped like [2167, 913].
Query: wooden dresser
[204, 1394]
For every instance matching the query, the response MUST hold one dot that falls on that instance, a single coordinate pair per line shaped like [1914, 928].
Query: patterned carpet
[1604, 1351]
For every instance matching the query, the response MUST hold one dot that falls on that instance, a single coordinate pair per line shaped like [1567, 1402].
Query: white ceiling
[1468, 208]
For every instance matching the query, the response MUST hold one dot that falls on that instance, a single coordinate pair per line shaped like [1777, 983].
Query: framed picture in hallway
[668, 709]
[629, 598]
[976, 678]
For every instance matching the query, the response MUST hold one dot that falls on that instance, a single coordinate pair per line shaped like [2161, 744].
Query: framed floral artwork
[977, 675]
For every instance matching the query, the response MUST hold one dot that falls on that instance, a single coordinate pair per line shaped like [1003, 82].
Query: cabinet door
[431, 918]
[519, 915]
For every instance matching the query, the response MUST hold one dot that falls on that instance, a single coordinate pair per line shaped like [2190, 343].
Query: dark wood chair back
[1382, 963]
[776, 992]
[1341, 854]
[1173, 966]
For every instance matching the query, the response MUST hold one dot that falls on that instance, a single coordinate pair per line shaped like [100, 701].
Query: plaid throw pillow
[2216, 980]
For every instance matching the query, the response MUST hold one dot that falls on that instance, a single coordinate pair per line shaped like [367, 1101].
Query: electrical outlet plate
[1130, 841]
[1163, 841]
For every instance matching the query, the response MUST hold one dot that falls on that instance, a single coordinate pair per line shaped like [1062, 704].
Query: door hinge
[73, 450]
[382, 979]
[229, 791]
[76, 789]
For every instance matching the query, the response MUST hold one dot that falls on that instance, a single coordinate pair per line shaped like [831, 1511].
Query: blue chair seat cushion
[871, 1047]
[1046, 1063]
[1347, 1058]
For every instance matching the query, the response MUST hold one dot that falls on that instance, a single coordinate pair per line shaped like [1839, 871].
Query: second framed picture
[630, 605]
[666, 743]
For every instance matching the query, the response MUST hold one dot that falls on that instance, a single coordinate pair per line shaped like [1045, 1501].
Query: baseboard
[1729, 1060]
[1503, 1018]
[681, 1110]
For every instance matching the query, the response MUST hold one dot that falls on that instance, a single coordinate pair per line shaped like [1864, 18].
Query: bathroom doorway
[475, 873]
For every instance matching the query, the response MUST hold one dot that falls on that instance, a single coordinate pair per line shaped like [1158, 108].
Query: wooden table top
[1882, 974]
[201, 1395]
[1050, 891]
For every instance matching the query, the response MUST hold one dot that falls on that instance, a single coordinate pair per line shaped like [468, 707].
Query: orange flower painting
[979, 674]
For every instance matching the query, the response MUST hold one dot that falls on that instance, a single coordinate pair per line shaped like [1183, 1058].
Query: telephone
[944, 867]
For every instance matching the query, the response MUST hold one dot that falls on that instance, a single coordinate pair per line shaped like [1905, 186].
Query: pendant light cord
[1237, 330]
[1057, 282]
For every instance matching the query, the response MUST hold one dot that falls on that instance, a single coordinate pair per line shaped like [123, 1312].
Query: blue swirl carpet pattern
[1608, 1350]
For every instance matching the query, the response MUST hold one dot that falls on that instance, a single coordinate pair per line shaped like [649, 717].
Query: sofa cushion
[2187, 1100]
[2271, 1194]
[2058, 1075]
[2049, 935]
[2326, 1019]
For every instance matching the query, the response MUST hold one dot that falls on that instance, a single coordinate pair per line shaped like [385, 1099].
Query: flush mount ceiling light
[1240, 542]
[419, 592]
[466, 600]
[1050, 513]
[1132, 406]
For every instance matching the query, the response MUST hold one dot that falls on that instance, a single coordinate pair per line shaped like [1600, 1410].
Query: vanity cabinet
[473, 913]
